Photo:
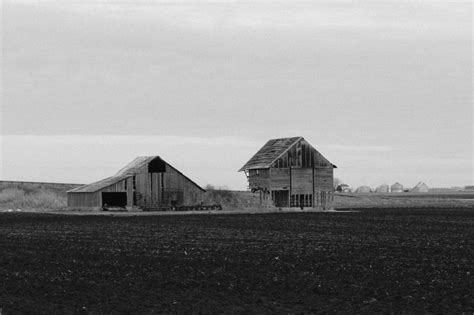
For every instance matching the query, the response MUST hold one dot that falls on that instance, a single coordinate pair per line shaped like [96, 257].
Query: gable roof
[271, 151]
[421, 186]
[127, 171]
[136, 164]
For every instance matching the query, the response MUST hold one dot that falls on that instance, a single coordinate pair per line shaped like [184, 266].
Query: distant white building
[363, 189]
[420, 188]
[384, 188]
[396, 188]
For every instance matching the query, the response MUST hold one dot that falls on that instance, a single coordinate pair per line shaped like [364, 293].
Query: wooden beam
[312, 180]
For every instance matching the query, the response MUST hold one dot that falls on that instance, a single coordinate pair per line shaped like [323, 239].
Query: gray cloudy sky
[382, 88]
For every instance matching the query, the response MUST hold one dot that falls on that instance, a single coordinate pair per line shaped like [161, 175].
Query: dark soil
[370, 261]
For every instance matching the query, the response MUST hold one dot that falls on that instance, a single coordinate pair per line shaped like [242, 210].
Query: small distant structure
[396, 188]
[363, 189]
[470, 187]
[420, 188]
[344, 188]
[384, 188]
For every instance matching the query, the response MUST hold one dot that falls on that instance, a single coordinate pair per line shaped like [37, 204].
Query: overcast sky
[383, 89]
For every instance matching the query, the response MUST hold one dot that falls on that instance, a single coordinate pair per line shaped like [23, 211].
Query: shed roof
[93, 187]
[127, 171]
[271, 151]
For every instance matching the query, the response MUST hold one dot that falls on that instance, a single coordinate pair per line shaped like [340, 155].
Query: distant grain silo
[396, 188]
[384, 188]
[420, 188]
[363, 189]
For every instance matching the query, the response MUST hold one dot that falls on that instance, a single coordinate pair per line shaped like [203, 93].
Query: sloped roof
[136, 164]
[271, 151]
[127, 171]
[397, 184]
[93, 187]
[420, 187]
[420, 184]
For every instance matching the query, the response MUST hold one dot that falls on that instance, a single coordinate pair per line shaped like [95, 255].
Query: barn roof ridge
[126, 172]
[275, 147]
[272, 150]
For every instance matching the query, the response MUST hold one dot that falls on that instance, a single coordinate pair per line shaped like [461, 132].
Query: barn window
[157, 165]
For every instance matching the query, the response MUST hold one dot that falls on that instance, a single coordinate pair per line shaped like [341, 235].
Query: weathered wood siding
[279, 179]
[94, 199]
[301, 181]
[83, 200]
[324, 179]
[259, 178]
[155, 189]
[175, 181]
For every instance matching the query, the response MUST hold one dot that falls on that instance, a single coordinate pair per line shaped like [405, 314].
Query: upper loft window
[157, 165]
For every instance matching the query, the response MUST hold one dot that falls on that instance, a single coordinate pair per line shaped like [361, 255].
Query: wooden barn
[289, 172]
[146, 182]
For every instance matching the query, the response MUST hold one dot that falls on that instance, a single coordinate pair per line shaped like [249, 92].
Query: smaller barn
[363, 189]
[396, 188]
[420, 188]
[384, 188]
[146, 182]
[290, 172]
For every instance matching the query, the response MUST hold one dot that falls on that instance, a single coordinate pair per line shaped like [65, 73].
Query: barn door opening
[280, 198]
[114, 199]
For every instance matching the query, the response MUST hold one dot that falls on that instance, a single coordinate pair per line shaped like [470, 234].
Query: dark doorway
[157, 165]
[280, 198]
[114, 199]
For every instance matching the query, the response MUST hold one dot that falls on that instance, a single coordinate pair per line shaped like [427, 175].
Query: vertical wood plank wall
[150, 190]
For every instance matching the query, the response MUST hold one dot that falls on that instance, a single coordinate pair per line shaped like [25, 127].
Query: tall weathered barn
[289, 172]
[147, 181]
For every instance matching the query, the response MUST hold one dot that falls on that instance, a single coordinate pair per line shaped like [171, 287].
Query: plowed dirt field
[390, 260]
